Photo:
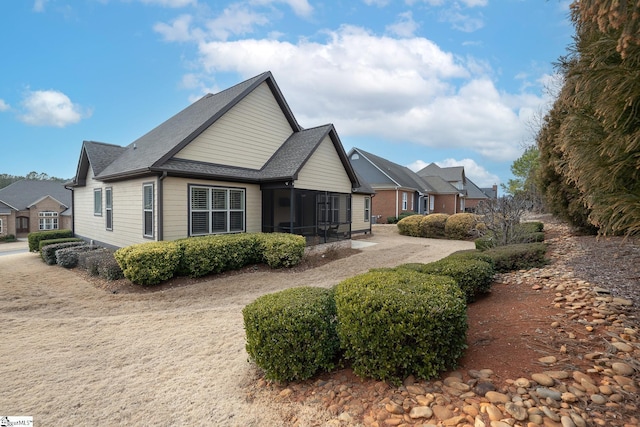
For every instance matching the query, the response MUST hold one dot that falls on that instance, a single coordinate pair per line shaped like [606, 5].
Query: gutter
[161, 206]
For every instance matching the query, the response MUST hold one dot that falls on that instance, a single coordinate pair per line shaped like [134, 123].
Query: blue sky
[416, 81]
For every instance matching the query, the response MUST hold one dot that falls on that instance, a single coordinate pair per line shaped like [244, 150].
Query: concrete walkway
[11, 248]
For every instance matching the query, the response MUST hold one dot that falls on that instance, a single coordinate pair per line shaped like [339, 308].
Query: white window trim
[404, 201]
[108, 208]
[97, 207]
[49, 219]
[210, 209]
[367, 209]
[1, 225]
[145, 210]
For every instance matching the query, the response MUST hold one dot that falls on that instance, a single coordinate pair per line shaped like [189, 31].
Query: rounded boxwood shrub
[518, 257]
[68, 257]
[148, 263]
[282, 249]
[393, 323]
[473, 277]
[410, 226]
[471, 254]
[433, 225]
[292, 334]
[460, 226]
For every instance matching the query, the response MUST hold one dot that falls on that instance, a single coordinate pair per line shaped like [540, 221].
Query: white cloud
[300, 7]
[461, 21]
[475, 172]
[4, 106]
[170, 3]
[51, 108]
[404, 26]
[235, 20]
[472, 170]
[178, 31]
[399, 90]
[38, 5]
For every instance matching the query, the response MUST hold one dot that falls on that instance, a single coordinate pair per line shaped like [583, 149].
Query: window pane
[109, 219]
[218, 222]
[97, 202]
[148, 196]
[199, 222]
[236, 199]
[148, 223]
[236, 220]
[219, 200]
[199, 198]
[108, 200]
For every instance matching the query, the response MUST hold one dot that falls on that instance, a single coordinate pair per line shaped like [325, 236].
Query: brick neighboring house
[34, 205]
[397, 188]
[470, 193]
[431, 190]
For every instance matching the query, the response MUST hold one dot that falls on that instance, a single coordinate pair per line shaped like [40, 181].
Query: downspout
[160, 206]
[397, 202]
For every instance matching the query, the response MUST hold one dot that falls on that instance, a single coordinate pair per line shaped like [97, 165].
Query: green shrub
[282, 249]
[410, 226]
[485, 242]
[433, 225]
[460, 226]
[518, 257]
[292, 334]
[44, 243]
[396, 219]
[149, 263]
[473, 277]
[393, 323]
[532, 226]
[108, 268]
[471, 254]
[8, 238]
[89, 260]
[35, 237]
[68, 257]
[214, 254]
[48, 252]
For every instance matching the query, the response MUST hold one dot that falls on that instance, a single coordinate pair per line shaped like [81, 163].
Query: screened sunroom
[319, 216]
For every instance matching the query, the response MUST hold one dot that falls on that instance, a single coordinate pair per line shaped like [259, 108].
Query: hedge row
[35, 237]
[439, 226]
[390, 322]
[151, 263]
[48, 252]
[525, 232]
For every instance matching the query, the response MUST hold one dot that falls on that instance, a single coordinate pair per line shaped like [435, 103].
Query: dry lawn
[75, 354]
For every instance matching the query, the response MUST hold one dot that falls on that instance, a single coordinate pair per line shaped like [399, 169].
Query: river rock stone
[544, 393]
[421, 412]
[622, 368]
[516, 411]
[496, 397]
[542, 379]
[442, 412]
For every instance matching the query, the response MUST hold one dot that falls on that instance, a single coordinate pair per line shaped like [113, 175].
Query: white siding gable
[246, 136]
[324, 171]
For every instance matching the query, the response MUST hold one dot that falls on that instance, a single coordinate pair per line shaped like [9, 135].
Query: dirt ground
[75, 352]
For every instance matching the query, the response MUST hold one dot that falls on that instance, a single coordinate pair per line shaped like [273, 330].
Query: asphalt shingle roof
[22, 194]
[153, 152]
[402, 175]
